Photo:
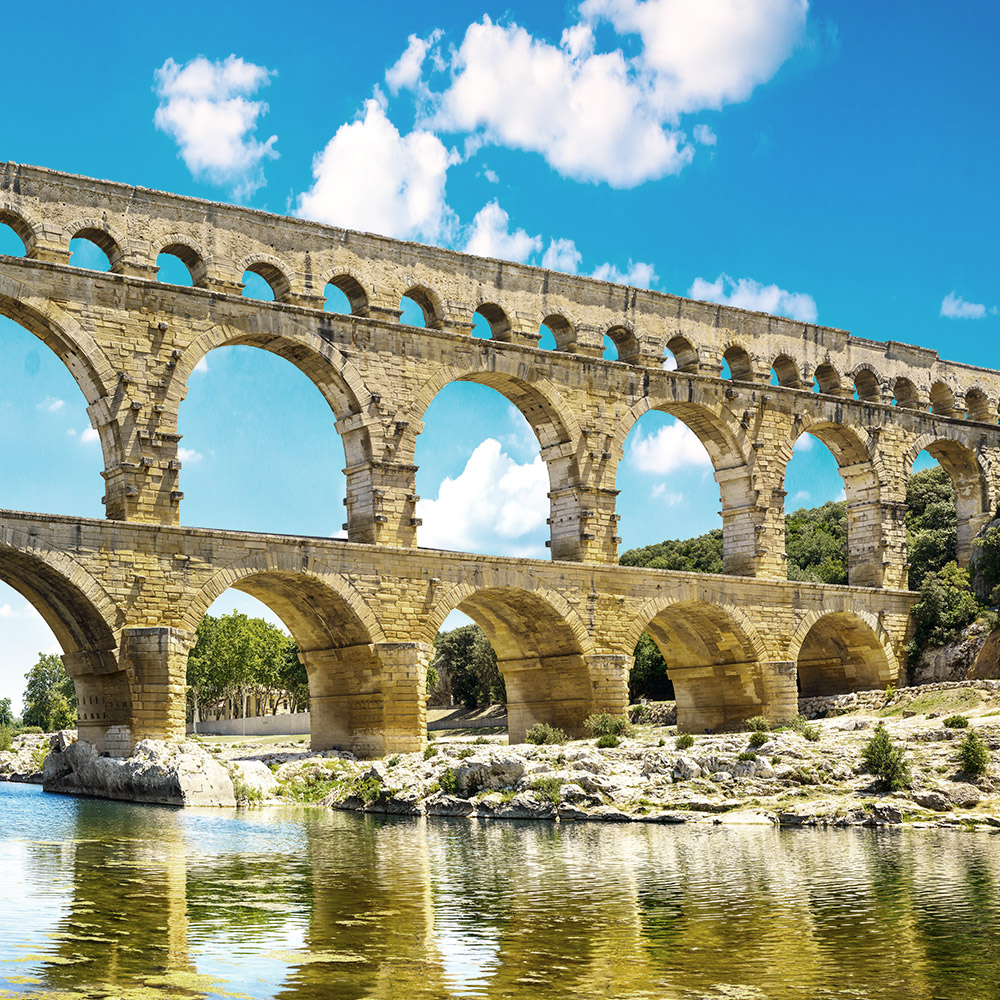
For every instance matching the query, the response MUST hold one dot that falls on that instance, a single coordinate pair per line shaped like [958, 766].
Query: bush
[757, 724]
[884, 761]
[449, 782]
[811, 733]
[28, 730]
[41, 752]
[548, 788]
[684, 741]
[393, 760]
[242, 791]
[758, 738]
[604, 724]
[747, 755]
[956, 722]
[798, 724]
[430, 752]
[542, 732]
[367, 789]
[973, 754]
[606, 740]
[6, 736]
[947, 604]
[465, 752]
[638, 713]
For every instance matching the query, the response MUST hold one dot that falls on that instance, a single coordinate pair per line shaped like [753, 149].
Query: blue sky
[826, 161]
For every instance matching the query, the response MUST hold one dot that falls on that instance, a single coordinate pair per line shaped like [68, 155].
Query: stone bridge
[125, 594]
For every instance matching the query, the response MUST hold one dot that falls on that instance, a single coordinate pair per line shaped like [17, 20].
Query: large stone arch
[974, 483]
[26, 227]
[713, 654]
[542, 649]
[723, 439]
[837, 652]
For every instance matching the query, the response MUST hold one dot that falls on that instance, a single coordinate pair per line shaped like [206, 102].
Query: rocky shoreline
[795, 776]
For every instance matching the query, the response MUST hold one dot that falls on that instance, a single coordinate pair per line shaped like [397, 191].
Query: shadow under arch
[840, 652]
[85, 621]
[540, 645]
[971, 480]
[351, 695]
[732, 472]
[713, 655]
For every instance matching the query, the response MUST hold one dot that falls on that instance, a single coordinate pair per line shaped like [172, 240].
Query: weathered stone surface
[931, 799]
[256, 775]
[166, 773]
[686, 768]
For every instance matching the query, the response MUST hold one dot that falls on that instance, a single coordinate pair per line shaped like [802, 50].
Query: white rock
[686, 768]
[257, 775]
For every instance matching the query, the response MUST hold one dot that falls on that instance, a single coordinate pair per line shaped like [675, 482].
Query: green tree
[50, 697]
[293, 679]
[816, 543]
[648, 678]
[6, 712]
[947, 604]
[931, 523]
[471, 666]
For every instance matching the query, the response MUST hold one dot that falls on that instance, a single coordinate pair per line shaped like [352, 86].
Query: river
[107, 900]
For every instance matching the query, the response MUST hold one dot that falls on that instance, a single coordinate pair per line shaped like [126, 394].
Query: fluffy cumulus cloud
[704, 136]
[745, 293]
[669, 448]
[562, 255]
[51, 405]
[206, 108]
[89, 436]
[494, 505]
[370, 177]
[639, 275]
[490, 236]
[189, 455]
[955, 307]
[406, 72]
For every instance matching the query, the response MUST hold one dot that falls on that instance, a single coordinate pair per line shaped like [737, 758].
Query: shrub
[548, 788]
[41, 752]
[449, 782]
[811, 733]
[890, 692]
[393, 760]
[884, 761]
[684, 741]
[6, 737]
[430, 752]
[242, 791]
[604, 724]
[798, 724]
[606, 740]
[758, 738]
[956, 722]
[465, 752]
[480, 741]
[757, 724]
[638, 713]
[747, 755]
[367, 789]
[28, 730]
[973, 754]
[662, 742]
[542, 732]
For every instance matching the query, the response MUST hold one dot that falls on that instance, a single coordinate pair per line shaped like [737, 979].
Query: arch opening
[943, 400]
[906, 394]
[839, 654]
[978, 408]
[344, 294]
[624, 345]
[867, 386]
[264, 281]
[180, 264]
[827, 380]
[15, 235]
[93, 250]
[684, 353]
[490, 322]
[785, 372]
[737, 364]
[556, 333]
[420, 307]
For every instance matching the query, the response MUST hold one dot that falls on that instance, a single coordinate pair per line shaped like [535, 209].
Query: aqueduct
[124, 595]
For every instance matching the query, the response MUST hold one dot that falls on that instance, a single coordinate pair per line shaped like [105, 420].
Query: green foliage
[638, 713]
[890, 692]
[39, 755]
[449, 782]
[547, 788]
[973, 756]
[956, 722]
[243, 791]
[6, 737]
[465, 752]
[758, 738]
[432, 678]
[757, 724]
[816, 543]
[811, 733]
[946, 606]
[747, 755]
[468, 659]
[931, 524]
[702, 554]
[50, 697]
[883, 760]
[608, 741]
[6, 712]
[684, 741]
[986, 563]
[430, 752]
[604, 724]
[393, 760]
[367, 789]
[542, 733]
[648, 677]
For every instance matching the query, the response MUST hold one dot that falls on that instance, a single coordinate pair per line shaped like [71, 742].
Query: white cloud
[405, 73]
[704, 136]
[746, 293]
[205, 108]
[89, 435]
[659, 492]
[202, 366]
[491, 175]
[804, 442]
[955, 307]
[562, 255]
[494, 505]
[671, 447]
[491, 236]
[800, 495]
[639, 275]
[51, 405]
[370, 177]
[189, 455]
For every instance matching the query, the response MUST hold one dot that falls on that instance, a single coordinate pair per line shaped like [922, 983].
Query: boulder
[174, 774]
[686, 768]
[930, 799]
[256, 775]
[962, 794]
[490, 774]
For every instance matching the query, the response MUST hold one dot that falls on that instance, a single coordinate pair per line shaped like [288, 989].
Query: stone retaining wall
[838, 704]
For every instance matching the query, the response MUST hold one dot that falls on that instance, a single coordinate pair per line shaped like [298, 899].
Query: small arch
[828, 379]
[350, 293]
[740, 365]
[561, 330]
[189, 257]
[428, 304]
[785, 372]
[977, 407]
[21, 229]
[906, 394]
[684, 352]
[625, 342]
[868, 386]
[840, 652]
[496, 319]
[942, 400]
[273, 276]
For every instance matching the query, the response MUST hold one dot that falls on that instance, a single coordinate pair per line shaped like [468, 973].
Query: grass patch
[542, 733]
[684, 741]
[935, 701]
[547, 788]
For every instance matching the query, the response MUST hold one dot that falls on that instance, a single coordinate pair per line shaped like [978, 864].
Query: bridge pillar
[552, 689]
[382, 503]
[609, 674]
[155, 660]
[103, 700]
[368, 699]
[584, 525]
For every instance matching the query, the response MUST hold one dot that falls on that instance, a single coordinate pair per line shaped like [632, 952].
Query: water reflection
[137, 902]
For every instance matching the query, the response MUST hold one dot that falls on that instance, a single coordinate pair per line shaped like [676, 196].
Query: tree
[648, 678]
[931, 523]
[6, 712]
[947, 604]
[293, 679]
[50, 697]
[467, 657]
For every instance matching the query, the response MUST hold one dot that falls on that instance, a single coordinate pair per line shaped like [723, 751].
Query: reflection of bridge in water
[123, 596]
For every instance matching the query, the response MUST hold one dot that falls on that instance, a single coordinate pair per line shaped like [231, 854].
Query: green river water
[101, 899]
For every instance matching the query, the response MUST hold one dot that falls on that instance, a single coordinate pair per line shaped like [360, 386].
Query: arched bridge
[124, 595]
